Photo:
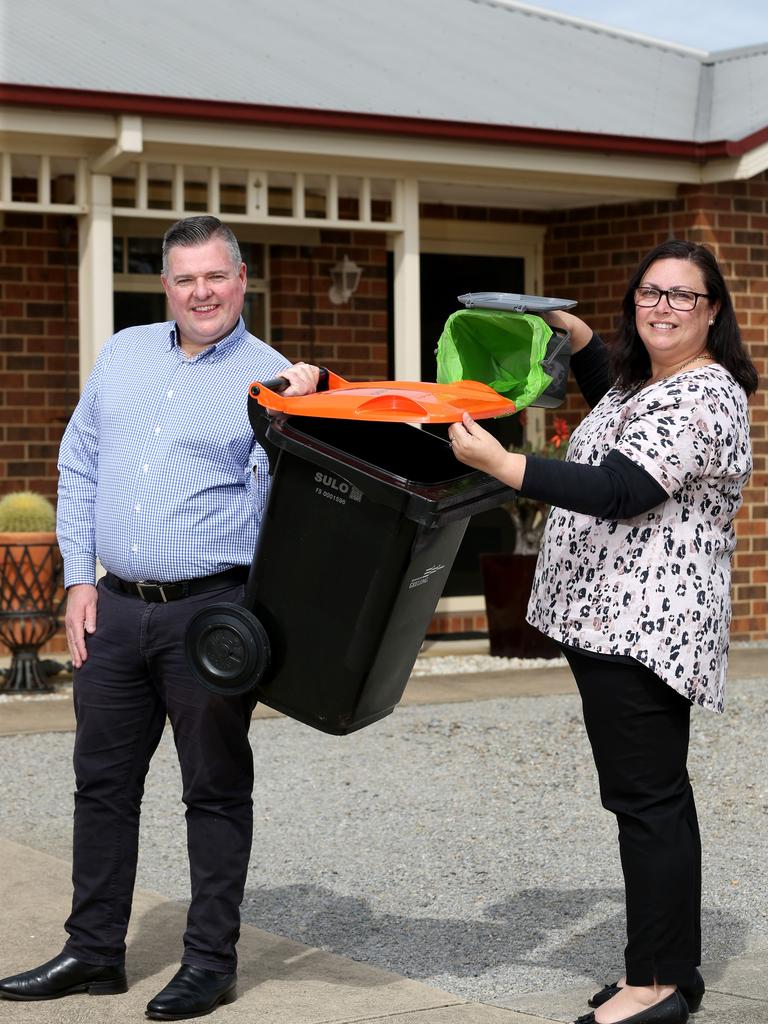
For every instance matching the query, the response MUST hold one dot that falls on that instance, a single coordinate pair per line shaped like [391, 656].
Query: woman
[633, 580]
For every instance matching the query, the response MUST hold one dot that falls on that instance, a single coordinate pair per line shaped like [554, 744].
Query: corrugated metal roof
[494, 62]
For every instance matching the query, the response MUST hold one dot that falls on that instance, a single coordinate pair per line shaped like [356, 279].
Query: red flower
[561, 434]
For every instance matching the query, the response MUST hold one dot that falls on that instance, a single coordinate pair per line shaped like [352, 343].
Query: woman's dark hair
[629, 358]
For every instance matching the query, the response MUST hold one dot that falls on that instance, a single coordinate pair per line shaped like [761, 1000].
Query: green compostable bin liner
[502, 349]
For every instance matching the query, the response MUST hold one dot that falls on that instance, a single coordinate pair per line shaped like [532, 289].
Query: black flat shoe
[692, 996]
[192, 992]
[672, 1010]
[64, 976]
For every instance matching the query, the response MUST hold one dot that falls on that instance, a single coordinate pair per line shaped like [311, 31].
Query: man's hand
[80, 618]
[303, 378]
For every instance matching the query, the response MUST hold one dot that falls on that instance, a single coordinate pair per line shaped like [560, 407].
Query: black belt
[151, 591]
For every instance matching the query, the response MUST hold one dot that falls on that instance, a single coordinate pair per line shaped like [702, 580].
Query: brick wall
[306, 325]
[39, 330]
[39, 361]
[589, 255]
[38, 347]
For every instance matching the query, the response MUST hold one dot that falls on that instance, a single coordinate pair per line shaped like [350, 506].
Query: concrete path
[54, 713]
[281, 981]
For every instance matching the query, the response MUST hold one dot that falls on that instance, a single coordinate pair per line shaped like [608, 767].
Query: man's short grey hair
[197, 231]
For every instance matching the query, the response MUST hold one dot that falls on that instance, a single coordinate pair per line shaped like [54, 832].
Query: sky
[702, 24]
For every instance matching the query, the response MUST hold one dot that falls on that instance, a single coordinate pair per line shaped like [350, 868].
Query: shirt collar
[212, 352]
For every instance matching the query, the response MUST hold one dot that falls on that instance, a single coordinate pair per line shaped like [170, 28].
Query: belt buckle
[160, 587]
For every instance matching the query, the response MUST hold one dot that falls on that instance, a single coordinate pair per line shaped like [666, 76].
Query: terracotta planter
[31, 597]
[507, 580]
[30, 567]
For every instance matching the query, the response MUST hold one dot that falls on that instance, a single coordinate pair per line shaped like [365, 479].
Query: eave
[379, 124]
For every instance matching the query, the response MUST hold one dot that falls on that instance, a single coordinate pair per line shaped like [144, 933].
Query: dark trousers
[134, 676]
[638, 728]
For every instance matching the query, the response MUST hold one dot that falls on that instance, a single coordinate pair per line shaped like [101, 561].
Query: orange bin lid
[400, 401]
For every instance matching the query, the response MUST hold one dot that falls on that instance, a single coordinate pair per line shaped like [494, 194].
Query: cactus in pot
[26, 512]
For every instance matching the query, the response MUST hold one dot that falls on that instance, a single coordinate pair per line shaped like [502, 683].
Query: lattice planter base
[31, 598]
[27, 673]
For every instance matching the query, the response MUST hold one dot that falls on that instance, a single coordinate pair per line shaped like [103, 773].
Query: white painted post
[299, 209]
[534, 427]
[407, 299]
[364, 212]
[332, 198]
[214, 194]
[44, 181]
[6, 178]
[178, 202]
[95, 279]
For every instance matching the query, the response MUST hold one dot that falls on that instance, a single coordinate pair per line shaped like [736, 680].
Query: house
[440, 145]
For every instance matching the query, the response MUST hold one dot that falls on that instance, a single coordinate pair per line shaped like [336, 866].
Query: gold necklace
[676, 369]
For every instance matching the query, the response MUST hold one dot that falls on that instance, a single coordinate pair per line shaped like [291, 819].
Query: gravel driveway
[459, 844]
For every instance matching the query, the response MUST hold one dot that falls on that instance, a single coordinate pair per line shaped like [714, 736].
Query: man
[160, 478]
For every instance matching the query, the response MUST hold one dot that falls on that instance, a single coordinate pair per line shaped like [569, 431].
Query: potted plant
[31, 594]
[508, 577]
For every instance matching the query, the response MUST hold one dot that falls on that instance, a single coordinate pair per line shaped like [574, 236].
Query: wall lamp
[345, 277]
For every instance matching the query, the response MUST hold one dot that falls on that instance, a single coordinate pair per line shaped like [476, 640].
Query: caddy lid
[514, 303]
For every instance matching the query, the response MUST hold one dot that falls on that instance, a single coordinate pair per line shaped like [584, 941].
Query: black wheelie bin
[364, 518]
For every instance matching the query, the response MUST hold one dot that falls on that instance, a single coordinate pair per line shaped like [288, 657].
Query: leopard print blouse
[655, 587]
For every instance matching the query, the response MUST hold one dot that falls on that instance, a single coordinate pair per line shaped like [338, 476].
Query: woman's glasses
[678, 298]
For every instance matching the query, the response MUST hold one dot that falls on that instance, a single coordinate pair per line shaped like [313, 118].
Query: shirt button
[134, 547]
[137, 508]
[157, 430]
[145, 467]
[170, 393]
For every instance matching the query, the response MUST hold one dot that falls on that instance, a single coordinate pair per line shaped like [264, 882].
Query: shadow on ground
[576, 930]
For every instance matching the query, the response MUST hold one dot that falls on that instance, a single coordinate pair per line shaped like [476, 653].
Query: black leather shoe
[192, 992]
[64, 976]
[672, 1010]
[692, 996]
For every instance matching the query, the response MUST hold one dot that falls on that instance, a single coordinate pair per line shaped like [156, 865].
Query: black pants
[135, 674]
[638, 727]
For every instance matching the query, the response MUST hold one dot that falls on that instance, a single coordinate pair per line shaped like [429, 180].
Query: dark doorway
[131, 308]
[443, 278]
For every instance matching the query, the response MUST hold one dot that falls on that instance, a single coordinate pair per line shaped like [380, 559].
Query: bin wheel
[227, 649]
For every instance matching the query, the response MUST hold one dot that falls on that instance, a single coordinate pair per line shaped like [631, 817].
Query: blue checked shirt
[157, 463]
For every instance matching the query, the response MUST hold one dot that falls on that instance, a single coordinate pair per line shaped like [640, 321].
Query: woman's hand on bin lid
[581, 332]
[477, 448]
[303, 378]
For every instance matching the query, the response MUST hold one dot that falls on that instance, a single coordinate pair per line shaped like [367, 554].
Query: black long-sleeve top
[616, 489]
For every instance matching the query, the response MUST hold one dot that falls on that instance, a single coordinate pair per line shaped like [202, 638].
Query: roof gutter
[380, 124]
